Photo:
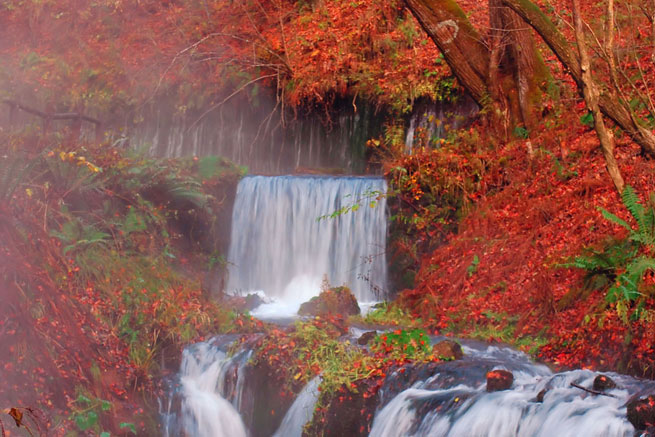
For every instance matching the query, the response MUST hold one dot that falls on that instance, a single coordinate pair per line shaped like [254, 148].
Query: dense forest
[514, 138]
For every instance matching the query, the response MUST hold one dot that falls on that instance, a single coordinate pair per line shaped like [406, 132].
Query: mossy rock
[333, 301]
[447, 350]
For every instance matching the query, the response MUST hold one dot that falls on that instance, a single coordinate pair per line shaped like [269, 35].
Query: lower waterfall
[436, 399]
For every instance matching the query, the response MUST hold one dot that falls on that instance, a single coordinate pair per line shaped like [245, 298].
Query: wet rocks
[348, 411]
[241, 303]
[641, 412]
[603, 382]
[499, 379]
[447, 350]
[337, 300]
[366, 338]
[541, 394]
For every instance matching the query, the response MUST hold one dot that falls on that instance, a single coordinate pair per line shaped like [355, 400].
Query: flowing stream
[438, 399]
[451, 399]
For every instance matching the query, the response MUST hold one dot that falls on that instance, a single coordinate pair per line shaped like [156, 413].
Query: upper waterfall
[281, 245]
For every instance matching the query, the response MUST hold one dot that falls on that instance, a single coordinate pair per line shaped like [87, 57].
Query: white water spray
[429, 408]
[205, 412]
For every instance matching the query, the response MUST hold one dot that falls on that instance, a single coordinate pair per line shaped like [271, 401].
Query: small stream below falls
[442, 399]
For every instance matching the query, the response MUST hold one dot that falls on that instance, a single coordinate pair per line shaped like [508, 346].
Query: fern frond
[649, 219]
[638, 267]
[585, 263]
[611, 217]
[631, 202]
[627, 285]
[181, 192]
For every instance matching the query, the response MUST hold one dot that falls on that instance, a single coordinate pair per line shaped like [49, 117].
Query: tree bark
[590, 93]
[503, 75]
[609, 104]
[447, 25]
[528, 65]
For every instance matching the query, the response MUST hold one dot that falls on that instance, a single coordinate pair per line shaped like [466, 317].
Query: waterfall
[565, 411]
[282, 243]
[301, 411]
[209, 378]
[219, 394]
[433, 120]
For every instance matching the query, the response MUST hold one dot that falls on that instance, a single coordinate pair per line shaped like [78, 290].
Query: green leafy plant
[521, 132]
[76, 235]
[601, 265]
[622, 265]
[470, 270]
[403, 345]
[369, 197]
[386, 313]
[587, 119]
[86, 412]
[129, 426]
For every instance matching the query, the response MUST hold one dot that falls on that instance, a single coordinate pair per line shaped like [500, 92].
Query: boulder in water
[337, 300]
[253, 300]
[540, 395]
[241, 303]
[447, 350]
[499, 379]
[366, 337]
[603, 382]
[641, 412]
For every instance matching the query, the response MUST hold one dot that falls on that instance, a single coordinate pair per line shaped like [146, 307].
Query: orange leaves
[526, 222]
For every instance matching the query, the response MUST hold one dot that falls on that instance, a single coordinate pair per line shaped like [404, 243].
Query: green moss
[388, 314]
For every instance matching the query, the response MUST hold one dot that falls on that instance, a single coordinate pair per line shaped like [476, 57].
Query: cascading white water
[465, 408]
[281, 246]
[301, 411]
[434, 120]
[205, 410]
[450, 399]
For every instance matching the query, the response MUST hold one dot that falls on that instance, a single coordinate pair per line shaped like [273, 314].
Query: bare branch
[237, 91]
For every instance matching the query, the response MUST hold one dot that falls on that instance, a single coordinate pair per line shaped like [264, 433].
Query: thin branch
[237, 91]
[593, 392]
[51, 116]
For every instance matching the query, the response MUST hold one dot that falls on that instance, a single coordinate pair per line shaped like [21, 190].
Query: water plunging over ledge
[282, 247]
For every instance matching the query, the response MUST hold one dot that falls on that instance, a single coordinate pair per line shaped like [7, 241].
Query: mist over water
[260, 136]
[280, 244]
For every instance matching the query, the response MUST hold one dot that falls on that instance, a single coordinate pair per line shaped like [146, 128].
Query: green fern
[627, 285]
[187, 191]
[621, 265]
[644, 216]
[77, 235]
[602, 265]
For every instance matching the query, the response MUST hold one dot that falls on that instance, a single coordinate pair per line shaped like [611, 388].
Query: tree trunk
[447, 25]
[504, 76]
[528, 66]
[609, 104]
[590, 93]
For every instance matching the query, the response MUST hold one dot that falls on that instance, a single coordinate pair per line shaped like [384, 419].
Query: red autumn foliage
[531, 216]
